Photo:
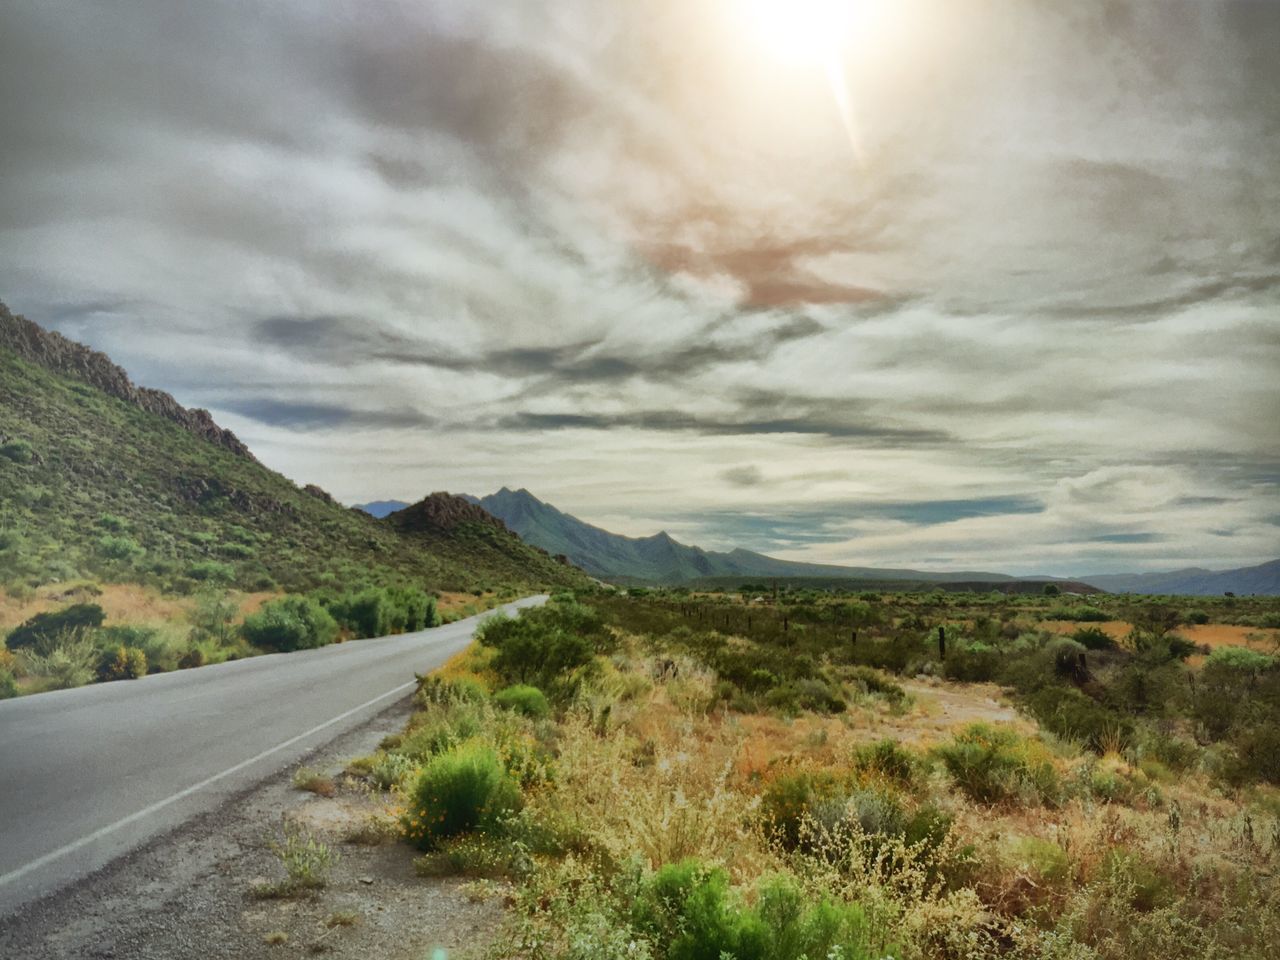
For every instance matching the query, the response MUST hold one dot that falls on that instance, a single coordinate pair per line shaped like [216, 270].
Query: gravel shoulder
[187, 894]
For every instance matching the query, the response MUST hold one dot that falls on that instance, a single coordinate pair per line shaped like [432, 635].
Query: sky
[958, 284]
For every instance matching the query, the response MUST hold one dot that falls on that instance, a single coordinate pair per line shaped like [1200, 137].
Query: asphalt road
[87, 775]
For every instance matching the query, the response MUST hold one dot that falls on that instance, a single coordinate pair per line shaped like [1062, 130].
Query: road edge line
[101, 832]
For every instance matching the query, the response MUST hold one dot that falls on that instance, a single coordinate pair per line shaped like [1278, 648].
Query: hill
[106, 480]
[662, 559]
[1264, 580]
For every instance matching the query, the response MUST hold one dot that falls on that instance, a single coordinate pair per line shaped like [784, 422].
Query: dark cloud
[1127, 538]
[323, 416]
[349, 340]
[744, 476]
[678, 421]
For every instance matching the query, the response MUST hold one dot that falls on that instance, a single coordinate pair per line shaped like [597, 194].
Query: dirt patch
[189, 895]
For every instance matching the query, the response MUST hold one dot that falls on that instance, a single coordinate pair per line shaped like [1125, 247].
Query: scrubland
[677, 776]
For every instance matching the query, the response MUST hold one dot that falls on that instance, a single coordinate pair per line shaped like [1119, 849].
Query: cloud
[748, 475]
[614, 253]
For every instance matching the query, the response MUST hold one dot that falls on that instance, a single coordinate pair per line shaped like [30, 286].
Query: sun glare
[800, 31]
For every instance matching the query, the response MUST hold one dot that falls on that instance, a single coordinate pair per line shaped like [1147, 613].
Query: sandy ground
[188, 895]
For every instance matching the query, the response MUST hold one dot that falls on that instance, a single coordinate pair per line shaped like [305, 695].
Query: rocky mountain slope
[102, 479]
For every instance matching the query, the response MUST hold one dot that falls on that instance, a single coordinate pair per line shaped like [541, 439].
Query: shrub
[8, 685]
[689, 912]
[122, 663]
[291, 623]
[1197, 617]
[18, 451]
[211, 571]
[1257, 756]
[1094, 638]
[439, 729]
[433, 690]
[872, 682]
[523, 699]
[119, 548]
[1240, 659]
[1068, 713]
[113, 524]
[972, 664]
[390, 770]
[307, 863]
[314, 781]
[45, 628]
[791, 798]
[992, 764]
[1066, 656]
[464, 789]
[887, 759]
[538, 650]
[809, 693]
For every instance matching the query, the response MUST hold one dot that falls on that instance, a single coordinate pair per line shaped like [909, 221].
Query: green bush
[291, 623]
[1077, 614]
[434, 691]
[122, 663]
[440, 729]
[689, 912]
[872, 682]
[378, 611]
[46, 628]
[539, 649]
[8, 685]
[1197, 617]
[972, 664]
[523, 699]
[1094, 638]
[464, 789]
[791, 798]
[1239, 659]
[18, 451]
[1068, 713]
[119, 548]
[888, 759]
[993, 764]
[211, 571]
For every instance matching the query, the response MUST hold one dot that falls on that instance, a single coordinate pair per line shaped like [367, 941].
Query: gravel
[187, 894]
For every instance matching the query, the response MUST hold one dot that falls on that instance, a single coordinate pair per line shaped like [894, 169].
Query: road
[88, 774]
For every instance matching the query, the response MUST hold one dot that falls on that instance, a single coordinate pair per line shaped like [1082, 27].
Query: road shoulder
[188, 894]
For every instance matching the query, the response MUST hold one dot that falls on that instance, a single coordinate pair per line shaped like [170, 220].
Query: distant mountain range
[662, 559]
[1262, 579]
[659, 558]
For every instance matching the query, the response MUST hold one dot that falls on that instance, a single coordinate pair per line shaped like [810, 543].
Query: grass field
[687, 783]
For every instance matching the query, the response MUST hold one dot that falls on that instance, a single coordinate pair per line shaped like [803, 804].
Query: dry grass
[122, 602]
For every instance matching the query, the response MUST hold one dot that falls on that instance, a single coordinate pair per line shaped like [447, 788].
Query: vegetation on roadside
[700, 788]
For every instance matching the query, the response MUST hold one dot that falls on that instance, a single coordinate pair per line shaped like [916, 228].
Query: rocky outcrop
[55, 352]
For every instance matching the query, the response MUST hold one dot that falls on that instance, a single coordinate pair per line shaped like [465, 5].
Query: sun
[800, 32]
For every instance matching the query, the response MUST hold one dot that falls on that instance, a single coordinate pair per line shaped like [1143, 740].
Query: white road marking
[84, 841]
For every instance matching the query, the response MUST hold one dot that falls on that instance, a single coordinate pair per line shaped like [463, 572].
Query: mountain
[380, 508]
[661, 559]
[1264, 579]
[106, 480]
